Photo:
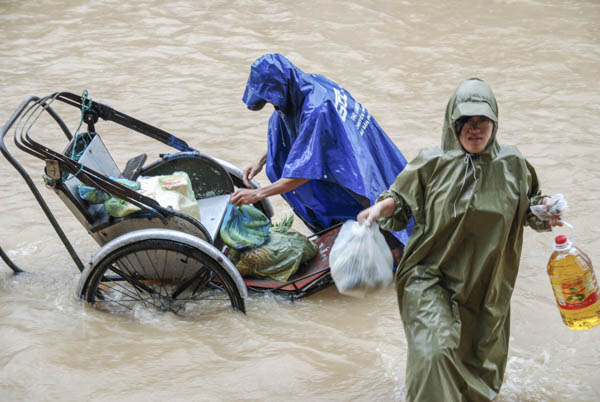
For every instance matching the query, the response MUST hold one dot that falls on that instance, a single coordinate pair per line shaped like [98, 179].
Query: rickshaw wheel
[161, 275]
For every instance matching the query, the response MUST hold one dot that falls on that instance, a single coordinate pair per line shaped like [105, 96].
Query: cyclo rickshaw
[158, 257]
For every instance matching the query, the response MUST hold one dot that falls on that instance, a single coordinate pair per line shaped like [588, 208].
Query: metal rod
[9, 262]
[34, 190]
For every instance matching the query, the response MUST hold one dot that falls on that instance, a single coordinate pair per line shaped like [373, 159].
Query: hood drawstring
[467, 161]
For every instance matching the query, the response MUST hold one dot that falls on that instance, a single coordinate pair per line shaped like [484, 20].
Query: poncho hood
[275, 80]
[472, 97]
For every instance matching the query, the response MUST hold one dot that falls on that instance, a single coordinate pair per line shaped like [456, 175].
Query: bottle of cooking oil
[575, 286]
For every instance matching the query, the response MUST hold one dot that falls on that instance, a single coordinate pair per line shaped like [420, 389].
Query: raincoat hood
[274, 79]
[321, 133]
[472, 97]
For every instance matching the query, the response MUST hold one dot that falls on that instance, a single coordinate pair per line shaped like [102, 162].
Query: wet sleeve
[535, 197]
[399, 220]
[408, 192]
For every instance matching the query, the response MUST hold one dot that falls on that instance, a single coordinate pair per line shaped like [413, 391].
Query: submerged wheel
[162, 275]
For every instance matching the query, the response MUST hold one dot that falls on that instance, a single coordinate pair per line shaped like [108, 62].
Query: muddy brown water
[182, 66]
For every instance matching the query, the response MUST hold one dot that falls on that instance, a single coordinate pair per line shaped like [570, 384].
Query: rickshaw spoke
[203, 282]
[130, 278]
[156, 271]
[133, 280]
[125, 291]
[128, 293]
[188, 283]
[116, 302]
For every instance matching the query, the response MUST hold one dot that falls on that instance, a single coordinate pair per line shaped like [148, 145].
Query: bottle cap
[561, 243]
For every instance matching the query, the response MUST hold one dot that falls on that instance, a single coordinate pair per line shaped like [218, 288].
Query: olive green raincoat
[459, 267]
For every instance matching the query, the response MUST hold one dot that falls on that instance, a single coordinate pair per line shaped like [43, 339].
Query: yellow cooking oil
[575, 286]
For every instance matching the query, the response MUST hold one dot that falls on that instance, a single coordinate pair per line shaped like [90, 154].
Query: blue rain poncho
[318, 131]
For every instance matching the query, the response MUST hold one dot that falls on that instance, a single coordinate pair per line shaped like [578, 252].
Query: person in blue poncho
[327, 156]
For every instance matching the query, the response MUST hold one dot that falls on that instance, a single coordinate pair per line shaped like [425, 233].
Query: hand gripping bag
[360, 260]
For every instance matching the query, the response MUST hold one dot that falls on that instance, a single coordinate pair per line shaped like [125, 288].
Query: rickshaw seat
[97, 157]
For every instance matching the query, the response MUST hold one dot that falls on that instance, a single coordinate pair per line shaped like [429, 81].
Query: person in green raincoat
[470, 200]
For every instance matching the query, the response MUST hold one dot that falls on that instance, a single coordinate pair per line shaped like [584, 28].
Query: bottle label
[576, 294]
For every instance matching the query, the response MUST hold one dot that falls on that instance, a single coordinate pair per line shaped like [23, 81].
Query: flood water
[182, 66]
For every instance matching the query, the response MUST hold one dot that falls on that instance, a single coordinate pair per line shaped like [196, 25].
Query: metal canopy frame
[28, 113]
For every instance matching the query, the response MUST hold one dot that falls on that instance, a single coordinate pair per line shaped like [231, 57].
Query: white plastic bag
[174, 190]
[558, 205]
[360, 260]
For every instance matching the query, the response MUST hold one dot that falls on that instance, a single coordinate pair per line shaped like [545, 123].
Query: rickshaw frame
[200, 243]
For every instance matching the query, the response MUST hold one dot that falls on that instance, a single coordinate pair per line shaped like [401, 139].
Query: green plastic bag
[119, 208]
[91, 194]
[114, 206]
[279, 258]
[244, 227]
[94, 195]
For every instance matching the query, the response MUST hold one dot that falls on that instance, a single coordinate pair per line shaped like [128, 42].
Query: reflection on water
[182, 66]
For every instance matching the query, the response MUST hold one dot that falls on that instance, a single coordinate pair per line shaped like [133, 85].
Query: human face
[475, 134]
